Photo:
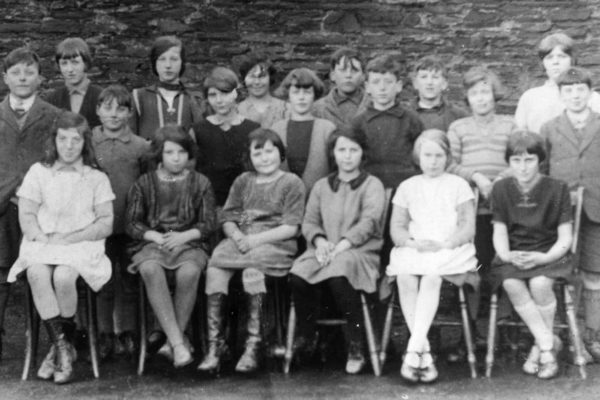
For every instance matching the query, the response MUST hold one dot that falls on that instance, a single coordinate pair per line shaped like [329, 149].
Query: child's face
[347, 75]
[168, 65]
[430, 84]
[383, 88]
[174, 157]
[221, 102]
[72, 70]
[481, 98]
[575, 97]
[432, 159]
[69, 144]
[348, 155]
[301, 99]
[257, 82]
[112, 115]
[23, 79]
[525, 167]
[266, 160]
[556, 62]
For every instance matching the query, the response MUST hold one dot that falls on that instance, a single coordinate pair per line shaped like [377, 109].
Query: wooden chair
[464, 322]
[33, 328]
[563, 287]
[369, 331]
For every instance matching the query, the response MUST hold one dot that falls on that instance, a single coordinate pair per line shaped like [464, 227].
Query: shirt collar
[81, 88]
[100, 136]
[24, 104]
[77, 167]
[340, 97]
[437, 108]
[396, 110]
[335, 181]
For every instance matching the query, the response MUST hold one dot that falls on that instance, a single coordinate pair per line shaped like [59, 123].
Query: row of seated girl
[66, 213]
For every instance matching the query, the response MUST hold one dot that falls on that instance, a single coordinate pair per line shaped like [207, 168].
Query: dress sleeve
[234, 206]
[312, 226]
[464, 193]
[498, 203]
[207, 211]
[521, 112]
[103, 191]
[566, 210]
[136, 212]
[401, 197]
[371, 208]
[31, 187]
[293, 202]
[456, 150]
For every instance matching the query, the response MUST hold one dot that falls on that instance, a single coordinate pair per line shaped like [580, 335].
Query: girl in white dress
[65, 212]
[432, 227]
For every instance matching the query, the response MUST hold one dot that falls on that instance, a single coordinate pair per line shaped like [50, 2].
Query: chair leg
[467, 332]
[574, 330]
[370, 336]
[31, 334]
[491, 339]
[92, 318]
[142, 323]
[387, 329]
[289, 343]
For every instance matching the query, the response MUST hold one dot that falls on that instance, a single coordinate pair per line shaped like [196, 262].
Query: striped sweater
[479, 146]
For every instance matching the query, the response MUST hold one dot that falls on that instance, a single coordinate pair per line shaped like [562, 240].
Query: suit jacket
[317, 165]
[21, 148]
[575, 157]
[59, 97]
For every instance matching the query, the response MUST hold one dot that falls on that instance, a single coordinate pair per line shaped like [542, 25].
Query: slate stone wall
[500, 34]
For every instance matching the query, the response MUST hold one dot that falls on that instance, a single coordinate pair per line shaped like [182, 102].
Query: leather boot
[217, 349]
[4, 292]
[63, 371]
[70, 328]
[48, 365]
[249, 361]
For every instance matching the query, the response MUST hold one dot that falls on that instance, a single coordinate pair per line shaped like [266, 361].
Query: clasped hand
[526, 259]
[169, 240]
[244, 243]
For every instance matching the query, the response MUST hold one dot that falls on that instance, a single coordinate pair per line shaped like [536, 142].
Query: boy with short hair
[430, 80]
[74, 59]
[121, 155]
[391, 129]
[26, 123]
[347, 98]
[573, 143]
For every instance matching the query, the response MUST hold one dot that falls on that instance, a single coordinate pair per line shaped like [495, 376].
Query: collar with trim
[335, 182]
[77, 166]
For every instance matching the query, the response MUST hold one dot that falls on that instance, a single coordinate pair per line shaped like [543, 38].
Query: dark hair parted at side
[71, 48]
[161, 45]
[524, 142]
[21, 55]
[345, 55]
[384, 64]
[257, 139]
[559, 39]
[251, 60]
[170, 133]
[301, 78]
[351, 132]
[118, 93]
[430, 63]
[573, 76]
[482, 74]
[70, 120]
[221, 78]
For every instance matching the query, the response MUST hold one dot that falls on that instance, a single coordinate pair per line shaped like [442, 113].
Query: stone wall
[500, 34]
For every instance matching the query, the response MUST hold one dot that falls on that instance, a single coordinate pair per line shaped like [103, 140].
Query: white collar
[24, 104]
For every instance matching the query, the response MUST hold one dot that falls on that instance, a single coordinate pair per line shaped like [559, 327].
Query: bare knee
[407, 283]
[188, 273]
[516, 290]
[150, 269]
[38, 273]
[431, 282]
[541, 290]
[64, 276]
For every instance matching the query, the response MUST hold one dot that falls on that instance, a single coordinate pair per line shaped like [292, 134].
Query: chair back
[577, 204]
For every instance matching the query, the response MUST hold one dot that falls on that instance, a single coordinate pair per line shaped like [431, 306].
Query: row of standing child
[390, 130]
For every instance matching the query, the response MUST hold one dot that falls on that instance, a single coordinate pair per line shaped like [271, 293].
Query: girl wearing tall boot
[261, 220]
[65, 212]
[344, 237]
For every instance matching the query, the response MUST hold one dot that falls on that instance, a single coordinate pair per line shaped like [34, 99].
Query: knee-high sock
[591, 305]
[532, 317]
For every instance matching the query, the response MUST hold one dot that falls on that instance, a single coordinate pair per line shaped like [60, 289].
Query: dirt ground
[119, 381]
